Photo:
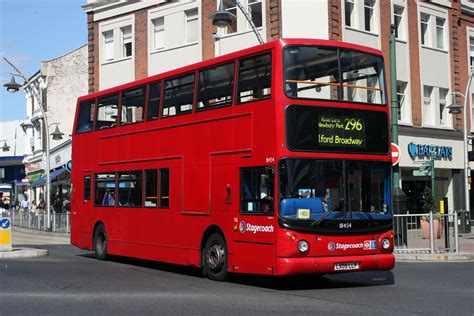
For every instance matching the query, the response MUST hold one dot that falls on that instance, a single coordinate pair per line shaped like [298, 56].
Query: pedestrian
[25, 204]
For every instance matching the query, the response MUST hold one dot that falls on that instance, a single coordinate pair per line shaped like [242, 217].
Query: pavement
[27, 243]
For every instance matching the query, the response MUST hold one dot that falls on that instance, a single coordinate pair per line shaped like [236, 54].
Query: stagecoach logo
[243, 227]
[331, 246]
[366, 245]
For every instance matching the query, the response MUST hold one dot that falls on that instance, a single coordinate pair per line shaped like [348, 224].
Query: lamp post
[222, 18]
[456, 109]
[12, 86]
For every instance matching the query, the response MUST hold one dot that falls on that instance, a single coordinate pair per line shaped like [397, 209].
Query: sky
[32, 31]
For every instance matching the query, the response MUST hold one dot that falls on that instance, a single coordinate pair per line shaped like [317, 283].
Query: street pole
[466, 159]
[46, 128]
[394, 101]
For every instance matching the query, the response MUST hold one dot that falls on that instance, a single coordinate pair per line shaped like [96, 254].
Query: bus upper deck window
[132, 106]
[86, 116]
[255, 78]
[107, 110]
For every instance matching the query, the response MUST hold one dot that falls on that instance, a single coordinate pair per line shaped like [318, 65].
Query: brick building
[435, 50]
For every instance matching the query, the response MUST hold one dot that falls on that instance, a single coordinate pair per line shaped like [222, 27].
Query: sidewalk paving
[24, 242]
[466, 252]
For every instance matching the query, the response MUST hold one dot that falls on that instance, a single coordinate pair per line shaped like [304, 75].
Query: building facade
[434, 52]
[59, 83]
[12, 171]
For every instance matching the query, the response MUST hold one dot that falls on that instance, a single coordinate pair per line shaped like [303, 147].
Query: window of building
[443, 112]
[158, 33]
[255, 12]
[164, 196]
[349, 13]
[398, 21]
[178, 95]
[216, 86]
[440, 32]
[154, 93]
[428, 112]
[132, 106]
[369, 20]
[104, 193]
[255, 78]
[87, 188]
[85, 118]
[401, 95]
[151, 188]
[424, 27]
[107, 110]
[130, 189]
[126, 41]
[471, 51]
[192, 26]
[108, 45]
[257, 190]
[231, 6]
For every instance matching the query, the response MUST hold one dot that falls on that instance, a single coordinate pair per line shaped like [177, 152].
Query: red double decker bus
[271, 160]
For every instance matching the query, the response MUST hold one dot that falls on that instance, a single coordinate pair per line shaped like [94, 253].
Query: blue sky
[32, 31]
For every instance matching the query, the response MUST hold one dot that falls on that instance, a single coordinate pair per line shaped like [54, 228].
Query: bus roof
[280, 43]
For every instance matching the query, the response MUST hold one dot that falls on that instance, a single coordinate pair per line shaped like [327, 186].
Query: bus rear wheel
[215, 258]
[100, 243]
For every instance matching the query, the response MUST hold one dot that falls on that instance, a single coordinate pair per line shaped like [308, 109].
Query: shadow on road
[286, 283]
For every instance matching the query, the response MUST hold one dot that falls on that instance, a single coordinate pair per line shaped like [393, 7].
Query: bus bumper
[321, 265]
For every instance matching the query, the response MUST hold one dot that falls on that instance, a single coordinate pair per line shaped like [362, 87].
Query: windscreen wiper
[325, 215]
[372, 221]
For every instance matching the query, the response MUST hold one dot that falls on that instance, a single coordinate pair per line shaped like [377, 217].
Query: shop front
[418, 147]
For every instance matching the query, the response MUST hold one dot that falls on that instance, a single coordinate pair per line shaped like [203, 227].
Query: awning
[53, 175]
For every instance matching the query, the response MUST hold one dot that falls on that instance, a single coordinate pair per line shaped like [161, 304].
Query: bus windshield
[334, 189]
[313, 72]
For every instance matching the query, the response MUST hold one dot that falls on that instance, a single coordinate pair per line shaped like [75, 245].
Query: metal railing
[426, 233]
[60, 222]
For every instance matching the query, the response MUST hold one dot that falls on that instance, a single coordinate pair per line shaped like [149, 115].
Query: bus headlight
[385, 244]
[303, 246]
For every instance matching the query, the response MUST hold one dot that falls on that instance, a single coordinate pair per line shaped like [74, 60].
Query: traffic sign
[396, 154]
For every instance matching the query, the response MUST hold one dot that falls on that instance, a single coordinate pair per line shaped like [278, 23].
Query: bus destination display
[325, 129]
[341, 131]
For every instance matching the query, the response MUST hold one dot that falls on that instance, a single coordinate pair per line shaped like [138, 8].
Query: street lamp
[222, 18]
[456, 109]
[13, 87]
[5, 147]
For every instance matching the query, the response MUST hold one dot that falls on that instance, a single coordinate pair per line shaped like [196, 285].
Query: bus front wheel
[215, 258]
[100, 243]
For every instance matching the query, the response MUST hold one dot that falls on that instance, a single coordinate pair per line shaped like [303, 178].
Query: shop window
[216, 86]
[107, 110]
[85, 117]
[132, 106]
[164, 196]
[151, 188]
[104, 193]
[255, 78]
[154, 96]
[130, 189]
[178, 95]
[257, 190]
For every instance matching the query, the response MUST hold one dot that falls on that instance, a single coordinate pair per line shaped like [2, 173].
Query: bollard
[431, 233]
[456, 232]
[67, 223]
[54, 222]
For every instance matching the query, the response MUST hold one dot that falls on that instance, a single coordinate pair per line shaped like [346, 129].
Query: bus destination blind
[343, 131]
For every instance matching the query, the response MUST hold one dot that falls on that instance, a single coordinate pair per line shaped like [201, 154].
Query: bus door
[255, 225]
[81, 212]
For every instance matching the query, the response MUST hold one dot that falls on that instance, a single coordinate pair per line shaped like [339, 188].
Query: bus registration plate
[346, 266]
